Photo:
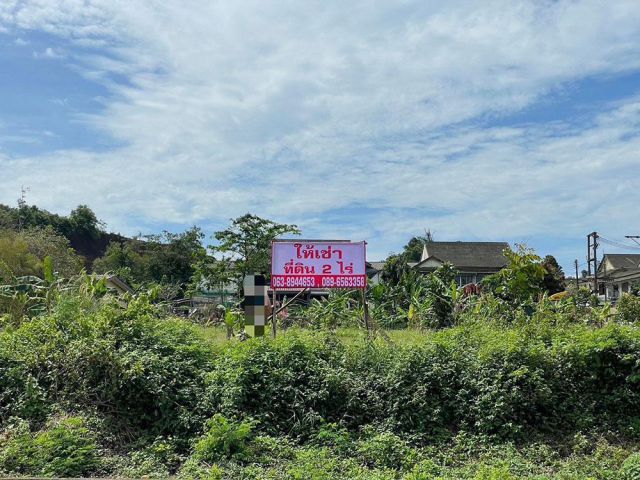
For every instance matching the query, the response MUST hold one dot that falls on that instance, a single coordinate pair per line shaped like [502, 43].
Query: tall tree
[83, 221]
[396, 265]
[413, 249]
[554, 280]
[247, 244]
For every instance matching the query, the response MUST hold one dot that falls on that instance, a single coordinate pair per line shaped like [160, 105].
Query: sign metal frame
[319, 264]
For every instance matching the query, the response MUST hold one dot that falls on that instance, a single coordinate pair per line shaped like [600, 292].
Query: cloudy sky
[485, 120]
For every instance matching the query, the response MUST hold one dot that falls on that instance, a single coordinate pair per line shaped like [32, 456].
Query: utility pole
[605, 285]
[22, 202]
[592, 257]
[577, 283]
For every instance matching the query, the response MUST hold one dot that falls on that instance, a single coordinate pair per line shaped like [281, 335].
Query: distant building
[116, 284]
[374, 270]
[617, 273]
[473, 260]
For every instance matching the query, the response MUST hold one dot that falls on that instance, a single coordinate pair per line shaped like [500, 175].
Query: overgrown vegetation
[94, 387]
[498, 381]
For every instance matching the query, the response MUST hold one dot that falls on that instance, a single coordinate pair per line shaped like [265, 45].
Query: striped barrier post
[255, 294]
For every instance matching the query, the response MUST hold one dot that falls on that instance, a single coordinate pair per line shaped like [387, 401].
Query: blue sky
[493, 120]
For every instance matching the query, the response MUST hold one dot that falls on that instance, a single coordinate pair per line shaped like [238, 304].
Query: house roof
[624, 274]
[377, 265]
[622, 260]
[118, 284]
[467, 254]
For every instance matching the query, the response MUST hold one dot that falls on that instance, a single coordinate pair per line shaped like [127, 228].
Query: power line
[615, 243]
[634, 238]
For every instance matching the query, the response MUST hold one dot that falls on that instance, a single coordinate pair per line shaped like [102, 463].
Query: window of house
[465, 279]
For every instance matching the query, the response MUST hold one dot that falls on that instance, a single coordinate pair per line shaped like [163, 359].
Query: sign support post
[365, 312]
[255, 293]
[273, 313]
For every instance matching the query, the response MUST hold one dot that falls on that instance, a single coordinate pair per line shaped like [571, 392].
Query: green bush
[630, 469]
[424, 470]
[20, 393]
[158, 459]
[489, 380]
[493, 473]
[290, 385]
[64, 448]
[522, 280]
[386, 450]
[144, 371]
[336, 437]
[224, 439]
[322, 403]
[628, 308]
[193, 470]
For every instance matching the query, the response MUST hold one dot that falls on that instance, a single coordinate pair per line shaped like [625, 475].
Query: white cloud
[298, 109]
[49, 53]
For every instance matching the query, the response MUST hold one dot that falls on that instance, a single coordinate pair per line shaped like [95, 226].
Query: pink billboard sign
[319, 264]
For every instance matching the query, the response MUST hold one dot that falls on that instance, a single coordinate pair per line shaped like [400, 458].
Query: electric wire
[615, 243]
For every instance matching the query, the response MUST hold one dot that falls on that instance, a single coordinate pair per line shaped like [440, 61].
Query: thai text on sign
[318, 265]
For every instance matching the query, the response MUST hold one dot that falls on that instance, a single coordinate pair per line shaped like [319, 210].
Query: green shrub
[484, 379]
[20, 393]
[628, 308]
[64, 448]
[336, 437]
[146, 376]
[144, 371]
[290, 385]
[158, 459]
[385, 449]
[630, 469]
[494, 473]
[193, 470]
[224, 439]
[522, 280]
[424, 470]
[319, 463]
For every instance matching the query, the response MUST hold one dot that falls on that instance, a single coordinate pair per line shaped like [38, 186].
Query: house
[374, 270]
[617, 272]
[116, 284]
[473, 260]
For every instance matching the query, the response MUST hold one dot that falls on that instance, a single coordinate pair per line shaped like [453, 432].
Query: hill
[86, 234]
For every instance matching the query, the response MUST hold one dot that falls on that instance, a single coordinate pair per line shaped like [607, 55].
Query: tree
[45, 242]
[247, 244]
[442, 289]
[172, 256]
[83, 221]
[122, 260]
[7, 218]
[521, 280]
[167, 258]
[23, 252]
[413, 249]
[396, 265]
[15, 257]
[554, 280]
[211, 274]
[394, 268]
